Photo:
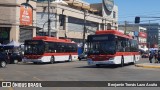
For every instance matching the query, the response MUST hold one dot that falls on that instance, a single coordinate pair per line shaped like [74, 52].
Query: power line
[134, 14]
[150, 20]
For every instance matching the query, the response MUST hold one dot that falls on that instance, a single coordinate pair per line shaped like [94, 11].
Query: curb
[147, 66]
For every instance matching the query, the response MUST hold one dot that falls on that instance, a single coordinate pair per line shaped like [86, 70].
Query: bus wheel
[98, 65]
[15, 61]
[52, 61]
[3, 64]
[134, 60]
[70, 58]
[35, 62]
[122, 62]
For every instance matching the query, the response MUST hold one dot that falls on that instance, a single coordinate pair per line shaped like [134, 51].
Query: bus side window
[134, 46]
[62, 47]
[58, 48]
[123, 46]
[46, 47]
[53, 48]
[127, 48]
[118, 46]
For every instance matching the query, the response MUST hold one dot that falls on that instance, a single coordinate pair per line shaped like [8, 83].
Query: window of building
[25, 34]
[114, 14]
[62, 21]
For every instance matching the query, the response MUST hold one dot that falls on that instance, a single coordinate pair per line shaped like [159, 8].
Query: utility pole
[137, 20]
[149, 36]
[49, 21]
[125, 27]
[84, 32]
[27, 1]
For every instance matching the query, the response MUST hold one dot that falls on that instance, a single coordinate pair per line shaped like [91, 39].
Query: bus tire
[98, 65]
[122, 61]
[35, 62]
[3, 64]
[52, 61]
[15, 61]
[70, 58]
[134, 60]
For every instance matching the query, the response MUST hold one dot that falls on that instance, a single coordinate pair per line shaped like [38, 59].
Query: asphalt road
[77, 71]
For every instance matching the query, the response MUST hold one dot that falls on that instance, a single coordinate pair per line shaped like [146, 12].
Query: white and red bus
[111, 47]
[43, 49]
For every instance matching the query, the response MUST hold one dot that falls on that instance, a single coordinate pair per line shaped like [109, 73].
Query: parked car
[15, 57]
[82, 56]
[3, 59]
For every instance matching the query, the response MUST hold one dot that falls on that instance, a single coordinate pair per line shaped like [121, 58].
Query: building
[17, 20]
[153, 31]
[139, 33]
[23, 19]
[69, 20]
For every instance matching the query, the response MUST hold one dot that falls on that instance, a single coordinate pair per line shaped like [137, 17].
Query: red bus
[112, 47]
[43, 49]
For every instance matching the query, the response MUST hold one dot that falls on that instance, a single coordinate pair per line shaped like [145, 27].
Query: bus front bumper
[91, 62]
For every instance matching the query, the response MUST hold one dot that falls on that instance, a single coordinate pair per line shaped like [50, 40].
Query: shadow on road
[102, 66]
[30, 63]
[106, 66]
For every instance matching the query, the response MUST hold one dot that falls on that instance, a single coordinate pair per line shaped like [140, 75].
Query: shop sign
[142, 34]
[109, 4]
[26, 15]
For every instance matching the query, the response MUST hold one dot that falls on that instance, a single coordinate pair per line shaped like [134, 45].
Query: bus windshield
[34, 48]
[105, 47]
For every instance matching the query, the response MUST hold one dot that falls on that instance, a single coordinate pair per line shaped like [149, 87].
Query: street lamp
[49, 22]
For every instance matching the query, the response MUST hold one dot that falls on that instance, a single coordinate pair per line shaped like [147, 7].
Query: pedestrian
[151, 54]
[155, 56]
[158, 57]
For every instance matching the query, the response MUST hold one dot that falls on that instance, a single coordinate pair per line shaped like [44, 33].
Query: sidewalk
[144, 62]
[148, 65]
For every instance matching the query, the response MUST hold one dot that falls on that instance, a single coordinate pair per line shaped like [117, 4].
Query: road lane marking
[37, 78]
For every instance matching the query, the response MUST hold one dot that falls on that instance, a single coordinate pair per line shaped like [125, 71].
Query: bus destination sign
[101, 38]
[33, 42]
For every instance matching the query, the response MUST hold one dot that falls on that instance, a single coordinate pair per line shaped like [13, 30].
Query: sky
[128, 9]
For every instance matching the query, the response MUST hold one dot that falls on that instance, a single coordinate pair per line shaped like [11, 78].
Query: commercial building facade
[68, 21]
[139, 33]
[24, 19]
[17, 21]
[153, 31]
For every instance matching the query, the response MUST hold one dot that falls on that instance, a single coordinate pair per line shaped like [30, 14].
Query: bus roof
[52, 39]
[114, 32]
